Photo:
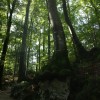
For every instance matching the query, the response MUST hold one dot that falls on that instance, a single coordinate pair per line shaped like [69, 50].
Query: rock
[54, 90]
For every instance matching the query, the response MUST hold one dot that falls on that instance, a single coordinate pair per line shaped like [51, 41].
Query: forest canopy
[35, 34]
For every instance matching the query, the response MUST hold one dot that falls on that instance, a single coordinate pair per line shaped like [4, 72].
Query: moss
[90, 91]
[57, 67]
[64, 73]
[60, 74]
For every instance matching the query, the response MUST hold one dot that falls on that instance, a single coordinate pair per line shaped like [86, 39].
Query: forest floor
[5, 95]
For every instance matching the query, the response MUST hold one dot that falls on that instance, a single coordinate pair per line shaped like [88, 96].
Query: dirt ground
[5, 95]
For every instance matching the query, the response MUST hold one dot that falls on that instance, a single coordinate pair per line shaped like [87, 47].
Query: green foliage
[84, 15]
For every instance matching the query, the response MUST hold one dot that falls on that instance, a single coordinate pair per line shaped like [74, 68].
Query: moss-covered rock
[90, 91]
[54, 90]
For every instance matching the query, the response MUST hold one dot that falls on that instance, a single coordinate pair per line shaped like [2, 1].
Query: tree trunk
[6, 42]
[28, 56]
[39, 51]
[49, 45]
[22, 62]
[37, 58]
[60, 52]
[52, 88]
[44, 43]
[80, 49]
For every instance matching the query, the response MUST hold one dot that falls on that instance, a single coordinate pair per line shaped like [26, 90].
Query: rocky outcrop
[54, 90]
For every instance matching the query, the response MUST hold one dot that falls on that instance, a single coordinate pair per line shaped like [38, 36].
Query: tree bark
[60, 52]
[80, 49]
[58, 64]
[6, 42]
[49, 45]
[39, 51]
[22, 62]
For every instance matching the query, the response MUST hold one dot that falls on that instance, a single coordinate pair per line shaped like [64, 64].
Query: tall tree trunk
[80, 49]
[15, 64]
[37, 58]
[30, 41]
[28, 56]
[60, 53]
[6, 41]
[22, 62]
[15, 71]
[58, 63]
[49, 45]
[39, 51]
[44, 43]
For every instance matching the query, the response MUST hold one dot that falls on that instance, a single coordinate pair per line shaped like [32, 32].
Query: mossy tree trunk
[60, 51]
